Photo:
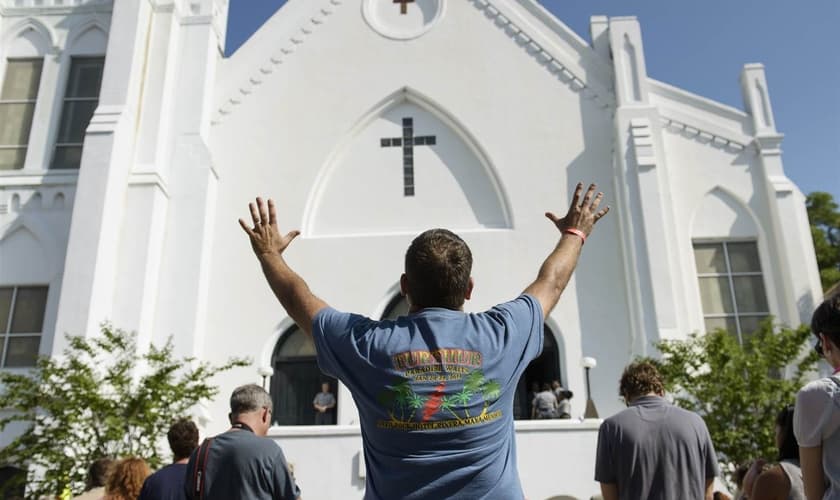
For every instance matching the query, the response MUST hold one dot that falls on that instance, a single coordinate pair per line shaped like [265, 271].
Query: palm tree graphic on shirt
[405, 405]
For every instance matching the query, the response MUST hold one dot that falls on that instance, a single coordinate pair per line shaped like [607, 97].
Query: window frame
[730, 275]
[64, 99]
[33, 102]
[5, 330]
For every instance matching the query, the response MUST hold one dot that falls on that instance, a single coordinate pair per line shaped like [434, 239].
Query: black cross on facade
[407, 142]
[403, 5]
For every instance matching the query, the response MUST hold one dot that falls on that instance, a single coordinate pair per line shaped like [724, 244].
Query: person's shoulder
[819, 391]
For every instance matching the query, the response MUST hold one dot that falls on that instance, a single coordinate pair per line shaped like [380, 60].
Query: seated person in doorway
[544, 405]
[435, 388]
[324, 404]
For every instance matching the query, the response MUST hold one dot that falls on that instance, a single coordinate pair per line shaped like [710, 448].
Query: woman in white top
[817, 415]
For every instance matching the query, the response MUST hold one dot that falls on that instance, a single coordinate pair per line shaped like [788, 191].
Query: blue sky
[701, 47]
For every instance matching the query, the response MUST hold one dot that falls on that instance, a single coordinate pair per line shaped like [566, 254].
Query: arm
[710, 490]
[268, 245]
[558, 267]
[609, 491]
[810, 460]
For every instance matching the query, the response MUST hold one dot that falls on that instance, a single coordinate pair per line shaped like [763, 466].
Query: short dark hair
[183, 438]
[826, 319]
[98, 473]
[638, 379]
[789, 447]
[438, 264]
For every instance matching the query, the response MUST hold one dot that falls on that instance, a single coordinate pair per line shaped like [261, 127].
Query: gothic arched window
[297, 379]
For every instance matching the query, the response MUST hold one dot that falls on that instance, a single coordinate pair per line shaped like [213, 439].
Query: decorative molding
[641, 137]
[280, 56]
[543, 55]
[703, 136]
[53, 7]
[148, 178]
[22, 178]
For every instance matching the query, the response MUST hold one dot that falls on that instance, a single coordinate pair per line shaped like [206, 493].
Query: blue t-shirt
[165, 484]
[435, 392]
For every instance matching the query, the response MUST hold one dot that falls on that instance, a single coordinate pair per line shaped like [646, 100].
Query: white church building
[130, 145]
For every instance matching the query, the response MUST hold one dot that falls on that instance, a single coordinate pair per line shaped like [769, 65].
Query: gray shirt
[241, 464]
[324, 399]
[816, 422]
[655, 450]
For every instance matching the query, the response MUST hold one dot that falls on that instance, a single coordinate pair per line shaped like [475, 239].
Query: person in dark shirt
[242, 462]
[168, 482]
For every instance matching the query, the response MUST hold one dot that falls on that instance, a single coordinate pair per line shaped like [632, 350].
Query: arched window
[396, 308]
[544, 369]
[297, 379]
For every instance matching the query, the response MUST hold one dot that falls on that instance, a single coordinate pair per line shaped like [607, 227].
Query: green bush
[100, 399]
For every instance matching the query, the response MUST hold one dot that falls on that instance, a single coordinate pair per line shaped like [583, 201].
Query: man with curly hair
[653, 449]
[168, 482]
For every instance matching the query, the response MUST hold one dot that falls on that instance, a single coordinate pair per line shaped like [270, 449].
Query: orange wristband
[578, 233]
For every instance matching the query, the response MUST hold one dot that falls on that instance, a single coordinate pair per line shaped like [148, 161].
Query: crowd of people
[650, 450]
[549, 401]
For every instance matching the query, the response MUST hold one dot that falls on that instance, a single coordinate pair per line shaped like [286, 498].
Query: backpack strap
[200, 469]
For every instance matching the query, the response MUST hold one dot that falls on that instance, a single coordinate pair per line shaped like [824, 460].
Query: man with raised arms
[434, 388]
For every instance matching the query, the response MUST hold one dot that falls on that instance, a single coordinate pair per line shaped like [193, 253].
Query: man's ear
[404, 285]
[470, 287]
[230, 418]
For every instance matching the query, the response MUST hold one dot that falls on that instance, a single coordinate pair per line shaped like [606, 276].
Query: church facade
[130, 145]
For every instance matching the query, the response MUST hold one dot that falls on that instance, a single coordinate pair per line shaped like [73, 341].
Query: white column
[646, 209]
[92, 254]
[789, 233]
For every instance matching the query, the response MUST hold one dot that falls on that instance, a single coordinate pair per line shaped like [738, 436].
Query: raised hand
[582, 215]
[265, 236]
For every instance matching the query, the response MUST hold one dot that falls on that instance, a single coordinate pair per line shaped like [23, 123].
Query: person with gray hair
[242, 462]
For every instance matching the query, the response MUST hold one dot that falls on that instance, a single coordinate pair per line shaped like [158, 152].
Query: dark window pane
[5, 307]
[85, 77]
[12, 158]
[75, 118]
[709, 258]
[22, 79]
[419, 141]
[430, 141]
[67, 157]
[743, 257]
[715, 296]
[749, 294]
[385, 142]
[407, 122]
[23, 351]
[727, 323]
[15, 123]
[396, 141]
[30, 303]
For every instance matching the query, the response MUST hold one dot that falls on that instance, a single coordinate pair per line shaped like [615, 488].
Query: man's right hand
[582, 215]
[265, 236]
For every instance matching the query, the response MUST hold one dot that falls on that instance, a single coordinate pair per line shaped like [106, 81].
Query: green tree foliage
[738, 389]
[824, 215]
[102, 398]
